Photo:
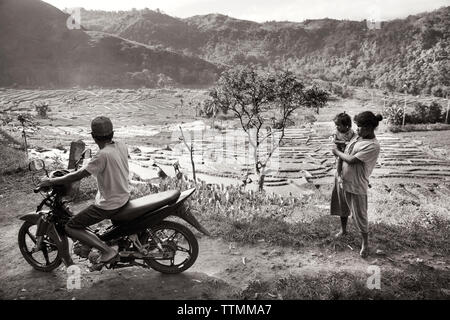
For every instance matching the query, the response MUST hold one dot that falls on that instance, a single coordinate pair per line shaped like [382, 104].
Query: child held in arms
[344, 133]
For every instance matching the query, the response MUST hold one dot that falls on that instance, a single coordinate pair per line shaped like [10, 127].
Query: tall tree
[264, 104]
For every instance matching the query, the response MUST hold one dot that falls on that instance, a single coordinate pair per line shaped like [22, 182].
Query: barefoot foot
[364, 253]
[107, 257]
[340, 234]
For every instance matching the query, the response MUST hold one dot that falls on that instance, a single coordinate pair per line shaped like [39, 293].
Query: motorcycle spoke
[45, 253]
[173, 236]
[179, 248]
[33, 238]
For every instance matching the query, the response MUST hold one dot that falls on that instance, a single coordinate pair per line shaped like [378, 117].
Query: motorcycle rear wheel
[26, 238]
[190, 248]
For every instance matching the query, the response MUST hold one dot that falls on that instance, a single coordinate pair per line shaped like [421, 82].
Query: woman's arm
[345, 157]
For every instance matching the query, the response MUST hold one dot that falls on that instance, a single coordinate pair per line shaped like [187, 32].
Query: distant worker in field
[110, 167]
[358, 161]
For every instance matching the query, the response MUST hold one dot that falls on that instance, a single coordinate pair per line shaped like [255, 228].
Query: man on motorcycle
[110, 167]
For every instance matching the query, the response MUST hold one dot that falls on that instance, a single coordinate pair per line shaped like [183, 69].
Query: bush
[424, 114]
[419, 127]
[419, 114]
[11, 159]
[341, 91]
[394, 114]
[42, 109]
[434, 113]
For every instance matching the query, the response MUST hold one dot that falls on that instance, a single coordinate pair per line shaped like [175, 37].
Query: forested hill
[39, 50]
[411, 51]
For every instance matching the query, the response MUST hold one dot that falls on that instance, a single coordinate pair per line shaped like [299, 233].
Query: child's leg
[343, 232]
[339, 206]
[338, 166]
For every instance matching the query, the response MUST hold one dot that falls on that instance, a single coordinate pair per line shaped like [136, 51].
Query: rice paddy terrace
[305, 154]
[142, 115]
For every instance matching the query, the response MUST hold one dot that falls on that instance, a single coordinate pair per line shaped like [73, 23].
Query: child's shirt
[342, 139]
[347, 136]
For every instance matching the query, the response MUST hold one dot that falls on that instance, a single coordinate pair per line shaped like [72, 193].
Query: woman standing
[359, 159]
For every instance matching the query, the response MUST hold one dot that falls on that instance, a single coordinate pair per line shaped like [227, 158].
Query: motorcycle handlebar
[39, 189]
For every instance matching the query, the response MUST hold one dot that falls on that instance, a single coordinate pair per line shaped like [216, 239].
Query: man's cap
[101, 126]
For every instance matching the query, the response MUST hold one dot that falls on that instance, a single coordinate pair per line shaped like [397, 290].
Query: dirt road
[223, 270]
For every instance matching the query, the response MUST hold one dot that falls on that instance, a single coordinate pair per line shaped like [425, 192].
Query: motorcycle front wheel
[46, 259]
[178, 241]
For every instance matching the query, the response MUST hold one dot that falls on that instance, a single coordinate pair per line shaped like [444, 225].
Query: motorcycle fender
[35, 218]
[30, 217]
[62, 243]
[185, 194]
[192, 220]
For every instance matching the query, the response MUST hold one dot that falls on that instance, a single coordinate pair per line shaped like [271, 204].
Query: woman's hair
[344, 119]
[368, 119]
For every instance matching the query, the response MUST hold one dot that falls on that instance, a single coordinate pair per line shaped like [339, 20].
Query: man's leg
[76, 228]
[92, 240]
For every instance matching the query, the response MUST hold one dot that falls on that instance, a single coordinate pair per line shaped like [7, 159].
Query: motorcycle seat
[138, 207]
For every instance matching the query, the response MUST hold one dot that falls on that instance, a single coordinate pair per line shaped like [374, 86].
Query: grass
[407, 217]
[387, 237]
[12, 160]
[414, 283]
[399, 220]
[418, 127]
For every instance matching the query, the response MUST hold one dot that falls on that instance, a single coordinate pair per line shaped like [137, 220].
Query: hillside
[41, 51]
[412, 51]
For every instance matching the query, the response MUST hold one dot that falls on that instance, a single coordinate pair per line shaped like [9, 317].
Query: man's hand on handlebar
[46, 182]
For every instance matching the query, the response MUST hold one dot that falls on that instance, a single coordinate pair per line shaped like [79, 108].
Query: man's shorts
[89, 216]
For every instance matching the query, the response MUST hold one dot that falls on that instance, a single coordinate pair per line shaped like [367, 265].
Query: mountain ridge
[40, 50]
[403, 51]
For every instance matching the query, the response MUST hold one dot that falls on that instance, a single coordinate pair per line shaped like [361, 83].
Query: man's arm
[345, 157]
[68, 178]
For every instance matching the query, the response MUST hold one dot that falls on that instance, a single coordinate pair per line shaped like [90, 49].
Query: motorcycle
[141, 231]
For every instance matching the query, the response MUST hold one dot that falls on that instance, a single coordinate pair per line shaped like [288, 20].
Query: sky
[267, 10]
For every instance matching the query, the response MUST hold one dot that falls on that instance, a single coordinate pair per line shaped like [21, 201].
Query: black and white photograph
[239, 153]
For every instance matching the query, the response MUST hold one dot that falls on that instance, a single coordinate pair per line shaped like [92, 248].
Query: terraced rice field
[305, 154]
[148, 120]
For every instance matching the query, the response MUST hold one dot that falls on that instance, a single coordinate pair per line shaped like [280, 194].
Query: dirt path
[222, 271]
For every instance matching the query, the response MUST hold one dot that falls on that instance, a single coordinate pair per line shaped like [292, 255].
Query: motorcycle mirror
[36, 165]
[87, 153]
